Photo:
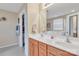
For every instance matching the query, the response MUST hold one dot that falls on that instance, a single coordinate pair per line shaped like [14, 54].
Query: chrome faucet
[67, 40]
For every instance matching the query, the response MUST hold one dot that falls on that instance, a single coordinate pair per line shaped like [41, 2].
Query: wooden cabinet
[33, 47]
[30, 47]
[42, 49]
[53, 51]
[37, 48]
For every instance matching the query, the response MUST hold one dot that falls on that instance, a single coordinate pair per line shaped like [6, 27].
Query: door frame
[70, 25]
[67, 22]
[26, 31]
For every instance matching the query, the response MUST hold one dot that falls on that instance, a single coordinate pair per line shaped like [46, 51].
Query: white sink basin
[74, 41]
[68, 45]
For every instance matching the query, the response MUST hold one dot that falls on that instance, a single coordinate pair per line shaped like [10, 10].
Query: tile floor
[12, 51]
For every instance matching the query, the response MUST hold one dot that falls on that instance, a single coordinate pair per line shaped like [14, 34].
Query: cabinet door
[30, 47]
[42, 49]
[33, 47]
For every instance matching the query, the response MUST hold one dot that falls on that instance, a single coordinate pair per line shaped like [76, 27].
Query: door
[33, 47]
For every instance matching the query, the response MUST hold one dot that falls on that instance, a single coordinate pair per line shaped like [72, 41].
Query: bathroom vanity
[42, 46]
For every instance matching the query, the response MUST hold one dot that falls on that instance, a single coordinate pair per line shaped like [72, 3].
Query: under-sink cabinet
[37, 48]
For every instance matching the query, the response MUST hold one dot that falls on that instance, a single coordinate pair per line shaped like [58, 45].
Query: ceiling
[60, 9]
[12, 7]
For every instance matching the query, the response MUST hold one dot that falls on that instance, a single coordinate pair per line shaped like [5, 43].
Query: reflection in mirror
[58, 24]
[73, 21]
[62, 19]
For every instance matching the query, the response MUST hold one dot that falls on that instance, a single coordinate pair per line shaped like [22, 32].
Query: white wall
[8, 28]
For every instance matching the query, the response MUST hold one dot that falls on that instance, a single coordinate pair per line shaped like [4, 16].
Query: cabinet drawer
[42, 49]
[54, 51]
[42, 45]
[42, 52]
[64, 53]
[33, 41]
[50, 54]
[57, 52]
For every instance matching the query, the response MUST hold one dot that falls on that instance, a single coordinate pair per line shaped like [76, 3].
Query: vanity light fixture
[46, 5]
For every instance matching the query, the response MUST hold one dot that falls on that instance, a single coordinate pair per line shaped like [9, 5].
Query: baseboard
[8, 45]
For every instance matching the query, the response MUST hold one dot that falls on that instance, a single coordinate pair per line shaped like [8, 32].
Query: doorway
[23, 30]
[73, 26]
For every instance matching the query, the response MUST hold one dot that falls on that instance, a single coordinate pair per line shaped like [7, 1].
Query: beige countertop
[59, 42]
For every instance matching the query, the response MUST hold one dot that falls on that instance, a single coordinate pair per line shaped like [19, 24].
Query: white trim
[50, 4]
[26, 31]
[9, 45]
[20, 37]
